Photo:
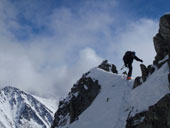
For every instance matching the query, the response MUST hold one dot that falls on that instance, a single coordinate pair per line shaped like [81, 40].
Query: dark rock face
[80, 98]
[169, 77]
[162, 39]
[137, 82]
[158, 116]
[108, 67]
[169, 61]
[144, 71]
[151, 69]
[162, 42]
[133, 122]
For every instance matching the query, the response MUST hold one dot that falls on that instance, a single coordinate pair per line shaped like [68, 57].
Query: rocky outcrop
[169, 61]
[137, 82]
[146, 71]
[108, 67]
[151, 69]
[162, 40]
[158, 116]
[134, 122]
[169, 77]
[79, 99]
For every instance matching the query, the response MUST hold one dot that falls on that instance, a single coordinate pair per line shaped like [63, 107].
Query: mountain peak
[10, 89]
[20, 109]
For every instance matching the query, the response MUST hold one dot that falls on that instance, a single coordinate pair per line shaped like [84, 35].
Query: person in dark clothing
[128, 60]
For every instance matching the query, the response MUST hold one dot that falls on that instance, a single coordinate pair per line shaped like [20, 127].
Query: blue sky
[49, 44]
[29, 11]
[146, 8]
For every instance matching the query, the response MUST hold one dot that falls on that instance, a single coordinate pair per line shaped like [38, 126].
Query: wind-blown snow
[111, 107]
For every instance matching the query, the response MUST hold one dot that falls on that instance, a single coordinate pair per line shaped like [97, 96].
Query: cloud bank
[46, 52]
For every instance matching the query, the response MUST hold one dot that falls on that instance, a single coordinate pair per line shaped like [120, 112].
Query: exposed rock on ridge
[108, 67]
[146, 71]
[162, 40]
[81, 96]
[158, 116]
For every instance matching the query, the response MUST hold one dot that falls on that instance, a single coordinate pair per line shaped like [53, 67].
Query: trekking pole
[123, 66]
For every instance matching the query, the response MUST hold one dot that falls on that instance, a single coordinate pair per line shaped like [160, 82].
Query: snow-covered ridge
[117, 100]
[19, 109]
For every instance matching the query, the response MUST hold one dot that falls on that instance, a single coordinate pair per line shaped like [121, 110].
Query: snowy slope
[51, 104]
[117, 100]
[151, 91]
[21, 110]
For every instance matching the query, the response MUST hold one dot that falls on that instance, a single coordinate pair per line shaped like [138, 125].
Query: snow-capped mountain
[102, 98]
[22, 110]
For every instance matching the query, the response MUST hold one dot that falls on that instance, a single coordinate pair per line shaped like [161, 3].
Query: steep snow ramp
[109, 106]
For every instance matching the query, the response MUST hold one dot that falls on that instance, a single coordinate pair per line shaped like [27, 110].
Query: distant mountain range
[19, 109]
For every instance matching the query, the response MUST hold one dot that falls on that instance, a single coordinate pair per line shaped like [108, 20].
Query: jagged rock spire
[105, 65]
[162, 39]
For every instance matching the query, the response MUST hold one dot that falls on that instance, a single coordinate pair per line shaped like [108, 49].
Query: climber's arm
[137, 59]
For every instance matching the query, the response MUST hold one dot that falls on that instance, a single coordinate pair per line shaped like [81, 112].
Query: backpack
[127, 56]
[128, 53]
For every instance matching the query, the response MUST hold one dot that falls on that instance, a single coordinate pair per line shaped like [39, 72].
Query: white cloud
[89, 57]
[20, 69]
[87, 60]
[48, 63]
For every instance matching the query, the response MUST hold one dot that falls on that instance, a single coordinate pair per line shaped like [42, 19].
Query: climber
[128, 60]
